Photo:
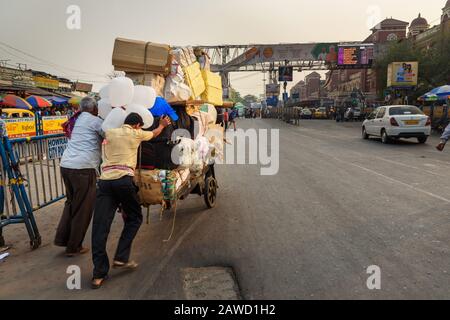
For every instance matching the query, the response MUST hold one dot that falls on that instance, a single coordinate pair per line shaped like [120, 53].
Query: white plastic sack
[211, 111]
[104, 108]
[121, 91]
[143, 112]
[114, 120]
[104, 92]
[176, 91]
[183, 153]
[144, 96]
[202, 148]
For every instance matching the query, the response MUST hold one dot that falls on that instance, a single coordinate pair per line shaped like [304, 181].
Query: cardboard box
[129, 56]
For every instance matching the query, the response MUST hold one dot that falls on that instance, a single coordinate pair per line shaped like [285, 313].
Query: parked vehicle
[306, 113]
[321, 113]
[9, 113]
[395, 122]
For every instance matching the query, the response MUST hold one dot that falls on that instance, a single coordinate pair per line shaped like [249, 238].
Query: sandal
[131, 265]
[79, 252]
[97, 283]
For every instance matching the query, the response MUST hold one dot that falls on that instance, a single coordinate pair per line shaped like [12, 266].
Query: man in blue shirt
[79, 166]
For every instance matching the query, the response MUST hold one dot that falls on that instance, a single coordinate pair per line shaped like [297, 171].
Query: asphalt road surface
[338, 205]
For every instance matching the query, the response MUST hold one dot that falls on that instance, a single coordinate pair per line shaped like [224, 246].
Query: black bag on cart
[157, 153]
[185, 121]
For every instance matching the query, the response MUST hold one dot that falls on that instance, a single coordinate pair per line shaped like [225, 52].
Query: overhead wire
[46, 62]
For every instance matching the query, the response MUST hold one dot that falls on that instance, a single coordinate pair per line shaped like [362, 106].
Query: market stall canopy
[13, 101]
[75, 101]
[429, 97]
[57, 101]
[38, 102]
[439, 93]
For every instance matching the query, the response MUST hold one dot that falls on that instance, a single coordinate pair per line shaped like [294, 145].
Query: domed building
[446, 12]
[418, 25]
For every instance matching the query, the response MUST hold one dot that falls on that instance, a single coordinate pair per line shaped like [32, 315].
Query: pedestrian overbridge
[296, 56]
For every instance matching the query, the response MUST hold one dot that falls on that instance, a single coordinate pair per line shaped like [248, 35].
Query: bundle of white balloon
[120, 98]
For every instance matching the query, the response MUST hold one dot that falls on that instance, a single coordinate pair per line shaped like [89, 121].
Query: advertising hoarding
[20, 128]
[403, 74]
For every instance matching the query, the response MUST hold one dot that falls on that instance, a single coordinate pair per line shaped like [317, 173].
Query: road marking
[409, 166]
[394, 180]
[380, 158]
[149, 281]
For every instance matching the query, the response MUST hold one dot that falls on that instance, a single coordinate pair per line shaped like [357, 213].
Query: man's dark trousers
[111, 194]
[78, 209]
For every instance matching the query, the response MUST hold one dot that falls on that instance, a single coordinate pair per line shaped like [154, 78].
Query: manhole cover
[213, 283]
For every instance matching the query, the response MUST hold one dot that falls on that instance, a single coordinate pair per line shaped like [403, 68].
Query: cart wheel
[210, 192]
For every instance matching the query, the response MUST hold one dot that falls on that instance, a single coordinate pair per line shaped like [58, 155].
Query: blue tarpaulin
[57, 101]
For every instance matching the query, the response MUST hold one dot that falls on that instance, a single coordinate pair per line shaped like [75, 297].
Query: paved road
[338, 205]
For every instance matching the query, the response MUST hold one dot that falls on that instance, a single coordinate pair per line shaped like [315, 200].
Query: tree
[249, 99]
[434, 66]
[235, 96]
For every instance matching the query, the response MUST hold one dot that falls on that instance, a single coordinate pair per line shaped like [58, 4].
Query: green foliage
[434, 63]
[236, 97]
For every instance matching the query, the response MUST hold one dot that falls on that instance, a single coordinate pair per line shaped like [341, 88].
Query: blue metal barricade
[30, 180]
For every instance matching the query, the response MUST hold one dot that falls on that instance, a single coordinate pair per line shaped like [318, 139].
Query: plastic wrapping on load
[184, 153]
[201, 123]
[201, 154]
[156, 81]
[193, 77]
[176, 90]
[215, 135]
[182, 176]
[211, 111]
[213, 92]
[184, 56]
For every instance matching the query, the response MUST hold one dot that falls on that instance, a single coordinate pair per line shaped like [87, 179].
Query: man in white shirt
[79, 167]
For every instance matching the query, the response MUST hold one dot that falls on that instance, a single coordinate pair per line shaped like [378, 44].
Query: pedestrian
[79, 167]
[232, 117]
[116, 188]
[225, 119]
[444, 139]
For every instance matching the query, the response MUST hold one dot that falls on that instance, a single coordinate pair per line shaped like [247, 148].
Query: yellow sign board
[53, 125]
[403, 74]
[42, 82]
[20, 128]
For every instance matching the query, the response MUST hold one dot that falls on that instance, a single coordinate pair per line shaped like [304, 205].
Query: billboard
[83, 87]
[326, 52]
[46, 83]
[273, 90]
[20, 127]
[355, 56]
[285, 74]
[403, 74]
[53, 125]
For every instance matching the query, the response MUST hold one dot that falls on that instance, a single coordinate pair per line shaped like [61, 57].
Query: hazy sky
[38, 28]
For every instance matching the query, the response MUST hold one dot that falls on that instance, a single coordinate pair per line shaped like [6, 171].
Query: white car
[306, 113]
[395, 122]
